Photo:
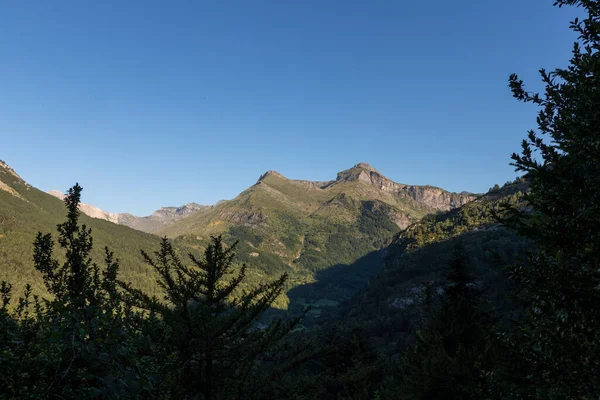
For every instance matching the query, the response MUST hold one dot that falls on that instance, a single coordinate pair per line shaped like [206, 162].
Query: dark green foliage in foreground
[558, 344]
[207, 327]
[74, 344]
[453, 352]
[338, 366]
[92, 338]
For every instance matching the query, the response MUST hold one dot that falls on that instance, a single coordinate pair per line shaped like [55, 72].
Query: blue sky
[154, 103]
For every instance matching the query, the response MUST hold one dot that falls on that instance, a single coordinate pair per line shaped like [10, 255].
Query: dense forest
[496, 299]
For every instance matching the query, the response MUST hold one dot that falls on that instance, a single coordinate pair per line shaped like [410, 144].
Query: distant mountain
[160, 218]
[89, 210]
[303, 227]
[151, 223]
[408, 202]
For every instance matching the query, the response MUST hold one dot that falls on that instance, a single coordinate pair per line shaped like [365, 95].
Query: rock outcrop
[89, 210]
[8, 179]
[428, 196]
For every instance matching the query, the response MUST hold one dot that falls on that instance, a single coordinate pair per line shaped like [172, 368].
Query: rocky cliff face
[437, 198]
[161, 217]
[90, 210]
[428, 196]
[178, 212]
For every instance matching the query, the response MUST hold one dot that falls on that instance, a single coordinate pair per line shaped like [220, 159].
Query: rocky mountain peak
[364, 165]
[360, 172]
[270, 173]
[89, 209]
[57, 193]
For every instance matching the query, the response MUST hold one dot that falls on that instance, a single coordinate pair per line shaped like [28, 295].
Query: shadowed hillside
[389, 307]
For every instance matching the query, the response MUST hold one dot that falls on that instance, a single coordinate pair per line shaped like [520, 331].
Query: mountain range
[308, 229]
[408, 202]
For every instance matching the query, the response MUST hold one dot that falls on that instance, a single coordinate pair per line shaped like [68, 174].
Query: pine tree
[9, 339]
[351, 367]
[453, 352]
[557, 347]
[207, 327]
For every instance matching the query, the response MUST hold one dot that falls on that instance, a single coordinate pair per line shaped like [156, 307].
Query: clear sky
[154, 103]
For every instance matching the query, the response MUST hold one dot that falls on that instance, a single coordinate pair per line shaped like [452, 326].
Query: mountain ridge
[149, 223]
[362, 181]
[430, 196]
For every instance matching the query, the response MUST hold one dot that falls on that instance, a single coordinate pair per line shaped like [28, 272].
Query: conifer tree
[207, 325]
[344, 367]
[453, 352]
[557, 346]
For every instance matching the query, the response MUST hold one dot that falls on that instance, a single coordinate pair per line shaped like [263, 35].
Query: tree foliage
[209, 327]
[73, 344]
[558, 344]
[453, 353]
